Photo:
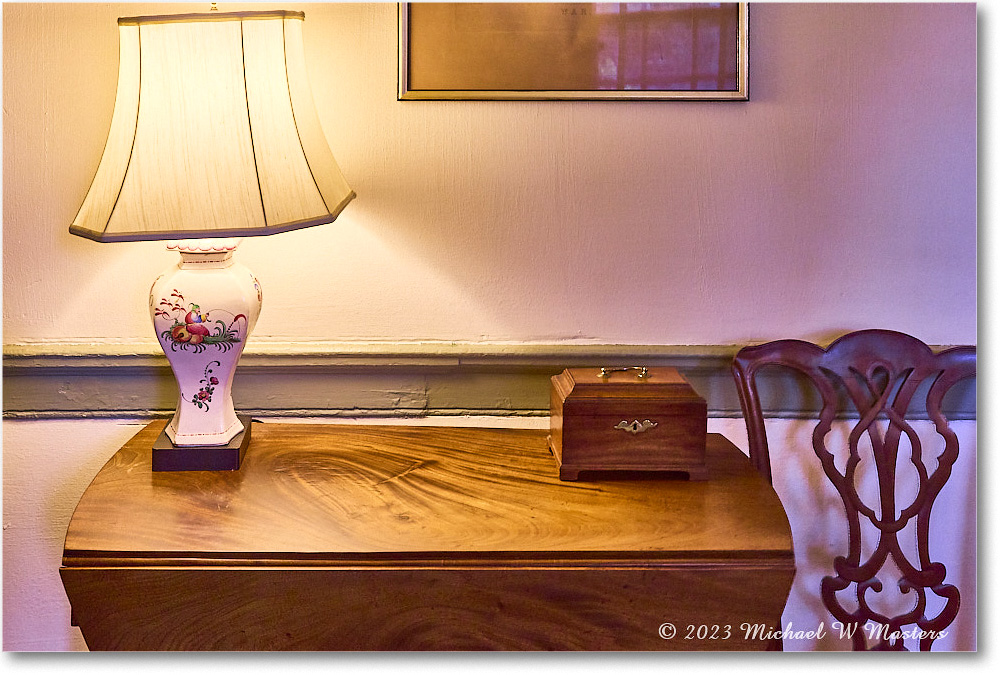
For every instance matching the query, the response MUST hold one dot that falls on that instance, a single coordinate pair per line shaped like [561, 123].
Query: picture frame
[573, 51]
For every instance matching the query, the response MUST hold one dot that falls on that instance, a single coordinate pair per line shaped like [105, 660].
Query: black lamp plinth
[170, 457]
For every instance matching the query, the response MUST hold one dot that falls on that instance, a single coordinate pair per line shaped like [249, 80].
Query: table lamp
[214, 136]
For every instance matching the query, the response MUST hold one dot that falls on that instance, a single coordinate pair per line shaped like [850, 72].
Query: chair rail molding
[357, 379]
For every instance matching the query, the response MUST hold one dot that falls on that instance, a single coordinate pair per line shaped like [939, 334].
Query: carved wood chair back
[877, 373]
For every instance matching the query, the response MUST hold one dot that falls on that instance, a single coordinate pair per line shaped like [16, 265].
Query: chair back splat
[877, 372]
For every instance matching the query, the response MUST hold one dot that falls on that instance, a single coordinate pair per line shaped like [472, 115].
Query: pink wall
[842, 195]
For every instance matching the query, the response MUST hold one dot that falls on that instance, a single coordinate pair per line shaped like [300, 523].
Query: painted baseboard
[348, 379]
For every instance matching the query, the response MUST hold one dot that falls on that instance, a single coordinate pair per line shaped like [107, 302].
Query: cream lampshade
[214, 135]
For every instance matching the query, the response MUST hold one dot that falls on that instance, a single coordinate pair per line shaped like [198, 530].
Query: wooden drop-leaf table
[343, 537]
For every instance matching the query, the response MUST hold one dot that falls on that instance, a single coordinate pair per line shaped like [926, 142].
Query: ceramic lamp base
[203, 310]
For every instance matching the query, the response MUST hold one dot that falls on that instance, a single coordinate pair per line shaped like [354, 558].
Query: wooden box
[627, 419]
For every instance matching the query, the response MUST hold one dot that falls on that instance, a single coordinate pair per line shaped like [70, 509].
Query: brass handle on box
[643, 371]
[635, 426]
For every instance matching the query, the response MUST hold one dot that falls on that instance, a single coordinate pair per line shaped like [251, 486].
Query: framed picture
[573, 51]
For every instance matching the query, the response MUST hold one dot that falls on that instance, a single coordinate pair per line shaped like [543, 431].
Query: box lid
[627, 383]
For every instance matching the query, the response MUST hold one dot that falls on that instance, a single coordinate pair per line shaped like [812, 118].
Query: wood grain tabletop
[332, 493]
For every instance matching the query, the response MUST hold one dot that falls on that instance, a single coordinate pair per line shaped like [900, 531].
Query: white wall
[37, 506]
[842, 195]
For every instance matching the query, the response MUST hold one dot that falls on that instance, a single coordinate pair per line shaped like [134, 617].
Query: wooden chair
[879, 373]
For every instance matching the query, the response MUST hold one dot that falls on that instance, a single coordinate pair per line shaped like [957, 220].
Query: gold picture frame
[573, 51]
